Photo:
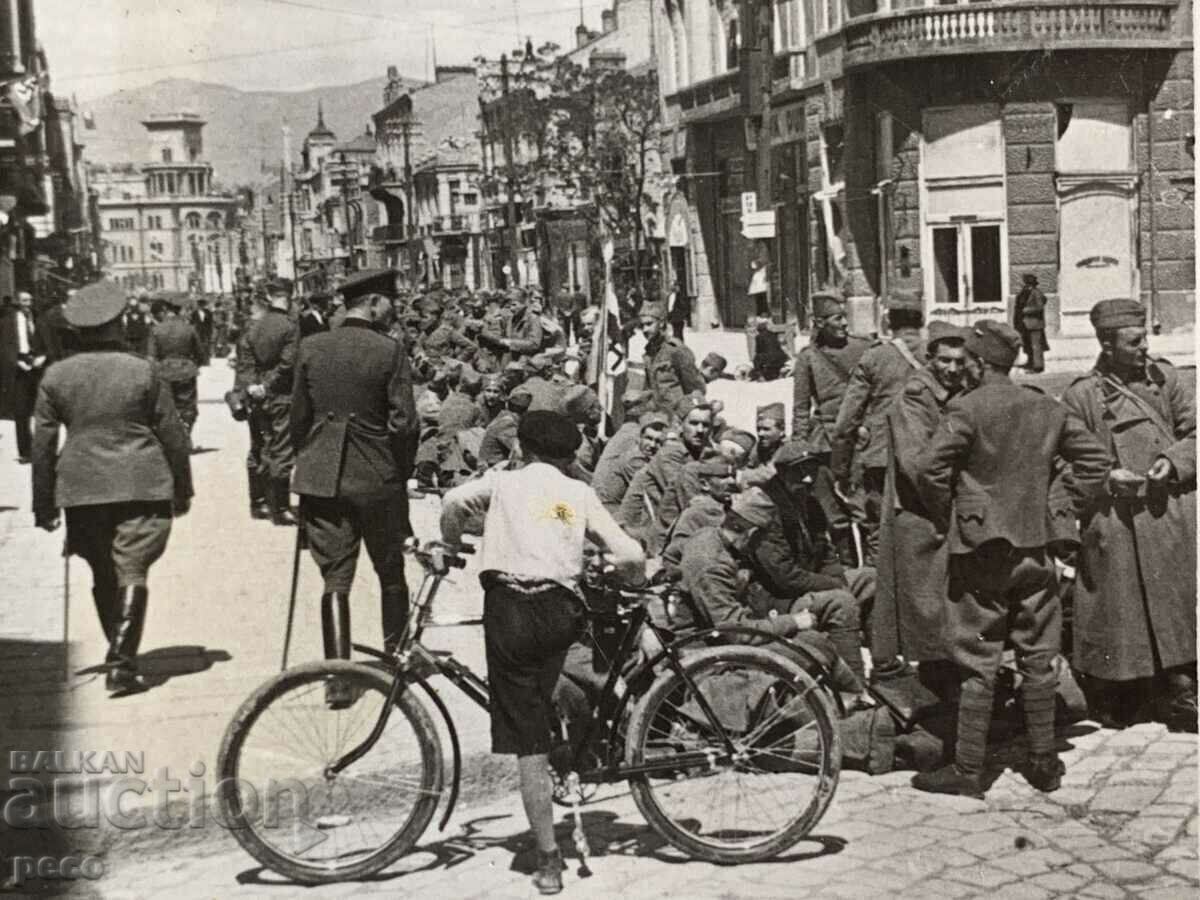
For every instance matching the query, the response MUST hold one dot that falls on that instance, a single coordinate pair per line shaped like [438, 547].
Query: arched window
[193, 221]
[214, 221]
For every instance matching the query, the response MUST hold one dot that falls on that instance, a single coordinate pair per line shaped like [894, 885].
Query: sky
[98, 47]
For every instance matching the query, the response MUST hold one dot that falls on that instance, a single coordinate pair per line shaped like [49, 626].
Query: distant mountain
[243, 133]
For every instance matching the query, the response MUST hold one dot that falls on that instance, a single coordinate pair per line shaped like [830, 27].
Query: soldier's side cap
[772, 411]
[653, 420]
[689, 402]
[548, 434]
[944, 331]
[368, 281]
[743, 439]
[95, 304]
[652, 309]
[577, 400]
[515, 366]
[795, 452]
[716, 361]
[994, 342]
[754, 506]
[540, 362]
[1120, 312]
[904, 300]
[827, 304]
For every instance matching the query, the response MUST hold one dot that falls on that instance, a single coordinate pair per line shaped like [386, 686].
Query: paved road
[1127, 815]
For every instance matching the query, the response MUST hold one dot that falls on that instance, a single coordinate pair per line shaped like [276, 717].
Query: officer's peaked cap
[1117, 313]
[95, 304]
[368, 281]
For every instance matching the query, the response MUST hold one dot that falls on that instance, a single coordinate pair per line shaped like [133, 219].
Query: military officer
[177, 353]
[670, 367]
[257, 477]
[354, 424]
[272, 343]
[989, 465]
[1135, 599]
[122, 473]
[913, 558]
[859, 435]
[820, 377]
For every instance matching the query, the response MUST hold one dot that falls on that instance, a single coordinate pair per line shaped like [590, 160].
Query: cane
[66, 672]
[291, 616]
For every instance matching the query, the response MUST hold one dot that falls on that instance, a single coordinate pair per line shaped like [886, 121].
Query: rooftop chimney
[608, 20]
[582, 35]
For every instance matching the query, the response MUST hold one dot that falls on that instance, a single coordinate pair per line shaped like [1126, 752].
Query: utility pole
[756, 61]
[510, 187]
[345, 190]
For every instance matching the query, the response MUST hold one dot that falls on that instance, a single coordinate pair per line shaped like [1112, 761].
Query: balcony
[710, 98]
[997, 27]
[389, 234]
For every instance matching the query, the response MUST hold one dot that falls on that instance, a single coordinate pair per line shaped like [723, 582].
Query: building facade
[164, 225]
[945, 149]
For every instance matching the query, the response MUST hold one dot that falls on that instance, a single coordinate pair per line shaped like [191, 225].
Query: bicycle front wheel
[752, 803]
[295, 817]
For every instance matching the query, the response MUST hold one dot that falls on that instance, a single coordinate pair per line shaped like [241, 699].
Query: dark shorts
[527, 636]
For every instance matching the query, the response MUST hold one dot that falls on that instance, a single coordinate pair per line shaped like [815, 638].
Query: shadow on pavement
[607, 835]
[159, 666]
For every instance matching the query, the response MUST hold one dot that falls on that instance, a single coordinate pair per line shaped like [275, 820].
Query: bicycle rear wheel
[313, 828]
[781, 777]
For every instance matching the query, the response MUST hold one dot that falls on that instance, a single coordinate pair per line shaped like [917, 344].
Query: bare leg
[536, 797]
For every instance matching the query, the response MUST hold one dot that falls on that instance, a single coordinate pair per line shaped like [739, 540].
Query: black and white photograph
[641, 449]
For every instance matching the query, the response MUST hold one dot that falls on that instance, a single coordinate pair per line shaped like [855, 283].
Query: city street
[1124, 822]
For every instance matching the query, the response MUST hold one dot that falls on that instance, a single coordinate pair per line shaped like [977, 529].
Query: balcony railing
[389, 234]
[1003, 26]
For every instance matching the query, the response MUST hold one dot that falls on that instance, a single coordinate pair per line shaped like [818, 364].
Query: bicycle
[731, 751]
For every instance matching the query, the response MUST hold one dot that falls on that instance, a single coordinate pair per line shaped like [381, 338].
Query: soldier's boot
[122, 672]
[848, 644]
[335, 634]
[393, 616]
[1181, 700]
[108, 601]
[964, 775]
[1043, 769]
[278, 493]
[259, 507]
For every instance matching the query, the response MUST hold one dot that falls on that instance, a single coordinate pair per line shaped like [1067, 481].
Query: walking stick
[291, 616]
[66, 672]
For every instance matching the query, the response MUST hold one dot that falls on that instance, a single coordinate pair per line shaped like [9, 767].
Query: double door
[967, 269]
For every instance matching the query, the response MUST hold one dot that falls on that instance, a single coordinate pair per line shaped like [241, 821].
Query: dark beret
[548, 434]
[1120, 312]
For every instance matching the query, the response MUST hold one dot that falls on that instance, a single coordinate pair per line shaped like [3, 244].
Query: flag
[608, 361]
[89, 120]
[26, 98]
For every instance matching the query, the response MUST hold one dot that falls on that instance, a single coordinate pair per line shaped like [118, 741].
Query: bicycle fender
[420, 680]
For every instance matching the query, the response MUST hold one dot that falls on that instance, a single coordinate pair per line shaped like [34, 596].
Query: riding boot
[107, 603]
[279, 494]
[259, 507]
[335, 634]
[393, 615]
[1181, 699]
[127, 636]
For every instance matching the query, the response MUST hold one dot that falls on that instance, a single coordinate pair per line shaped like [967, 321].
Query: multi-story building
[426, 180]
[163, 223]
[947, 149]
[333, 221]
[46, 236]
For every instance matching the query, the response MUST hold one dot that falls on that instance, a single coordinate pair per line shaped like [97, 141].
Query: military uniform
[989, 465]
[499, 439]
[671, 373]
[272, 344]
[354, 422]
[257, 477]
[1135, 598]
[122, 468]
[176, 350]
[641, 507]
[613, 478]
[860, 433]
[458, 413]
[703, 511]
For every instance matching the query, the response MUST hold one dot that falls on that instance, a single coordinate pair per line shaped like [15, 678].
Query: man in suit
[202, 322]
[24, 360]
[272, 344]
[177, 352]
[354, 423]
[985, 481]
[859, 435]
[122, 473]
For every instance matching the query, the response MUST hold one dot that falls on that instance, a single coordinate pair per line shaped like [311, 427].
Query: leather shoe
[949, 780]
[1044, 772]
[548, 878]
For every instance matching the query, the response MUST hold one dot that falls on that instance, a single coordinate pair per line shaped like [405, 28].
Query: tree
[576, 137]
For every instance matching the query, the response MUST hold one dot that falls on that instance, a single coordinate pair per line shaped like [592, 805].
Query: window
[193, 221]
[791, 32]
[733, 45]
[166, 154]
[122, 224]
[214, 221]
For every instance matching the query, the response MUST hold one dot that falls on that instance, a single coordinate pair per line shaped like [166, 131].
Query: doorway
[966, 264]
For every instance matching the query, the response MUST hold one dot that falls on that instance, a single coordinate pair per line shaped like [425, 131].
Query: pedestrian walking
[272, 344]
[1135, 597]
[679, 309]
[202, 321]
[177, 353]
[354, 426]
[258, 479]
[22, 362]
[1029, 317]
[535, 522]
[121, 475]
[985, 482]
